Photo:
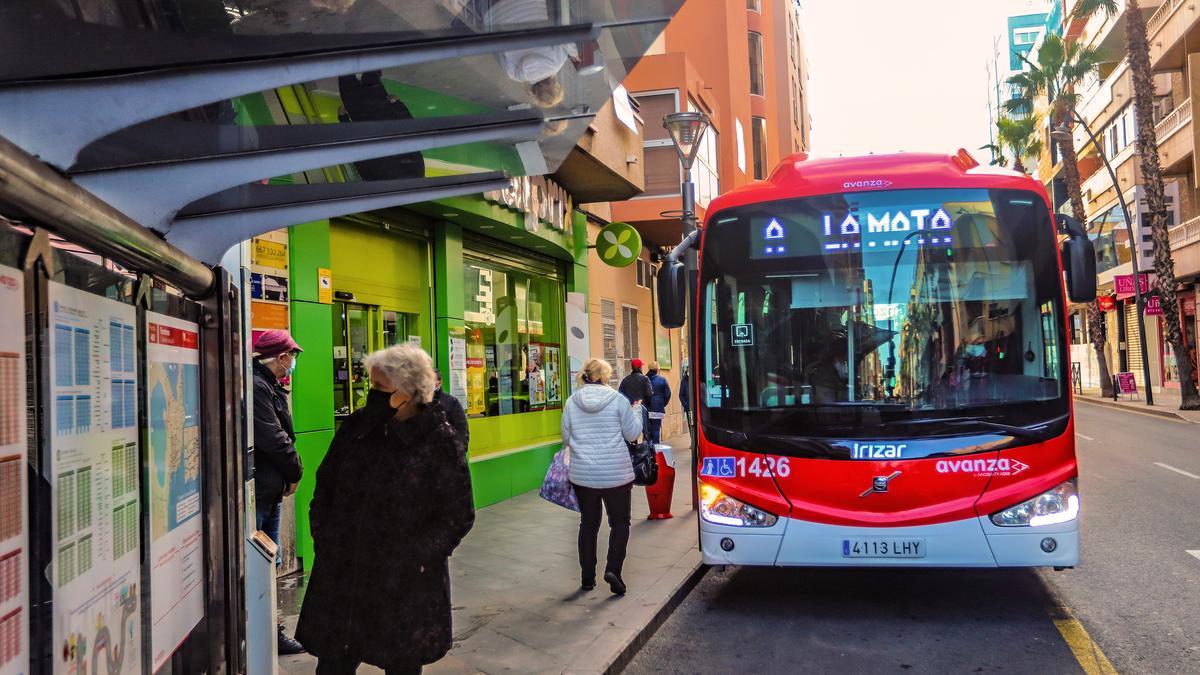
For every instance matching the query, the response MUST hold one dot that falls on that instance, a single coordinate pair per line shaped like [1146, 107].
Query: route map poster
[94, 488]
[173, 476]
[14, 547]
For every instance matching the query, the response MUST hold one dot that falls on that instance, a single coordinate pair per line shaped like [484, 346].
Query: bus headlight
[720, 509]
[1059, 505]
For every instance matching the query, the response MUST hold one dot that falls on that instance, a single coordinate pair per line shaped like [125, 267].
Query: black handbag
[645, 464]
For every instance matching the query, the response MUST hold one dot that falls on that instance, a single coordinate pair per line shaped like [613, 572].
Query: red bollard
[659, 494]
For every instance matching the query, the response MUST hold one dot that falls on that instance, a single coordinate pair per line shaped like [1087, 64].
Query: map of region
[174, 445]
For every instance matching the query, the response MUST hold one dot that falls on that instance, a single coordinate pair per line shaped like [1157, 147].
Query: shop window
[514, 325]
[757, 88]
[629, 337]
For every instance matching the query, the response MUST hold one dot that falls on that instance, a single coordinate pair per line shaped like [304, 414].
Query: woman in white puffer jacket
[596, 422]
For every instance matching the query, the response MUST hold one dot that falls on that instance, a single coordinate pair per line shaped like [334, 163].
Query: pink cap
[275, 342]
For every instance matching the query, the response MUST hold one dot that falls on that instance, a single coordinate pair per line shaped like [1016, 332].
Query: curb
[1148, 410]
[631, 648]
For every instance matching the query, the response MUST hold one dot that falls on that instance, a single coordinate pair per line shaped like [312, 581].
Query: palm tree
[1060, 68]
[1019, 137]
[997, 154]
[1137, 44]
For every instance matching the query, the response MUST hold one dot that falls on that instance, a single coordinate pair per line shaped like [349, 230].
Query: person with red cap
[277, 466]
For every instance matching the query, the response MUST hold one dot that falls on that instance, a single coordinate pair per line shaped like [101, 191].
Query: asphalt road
[1135, 598]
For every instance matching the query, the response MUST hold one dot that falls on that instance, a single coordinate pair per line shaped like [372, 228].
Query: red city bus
[880, 366]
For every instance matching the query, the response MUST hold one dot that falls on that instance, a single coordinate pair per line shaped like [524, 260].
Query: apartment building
[1106, 104]
[742, 63]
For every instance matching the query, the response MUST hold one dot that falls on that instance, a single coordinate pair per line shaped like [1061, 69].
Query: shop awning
[211, 121]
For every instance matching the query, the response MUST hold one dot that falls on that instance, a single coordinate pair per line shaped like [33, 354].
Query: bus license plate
[883, 548]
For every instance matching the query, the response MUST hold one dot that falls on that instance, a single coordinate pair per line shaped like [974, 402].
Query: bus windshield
[861, 312]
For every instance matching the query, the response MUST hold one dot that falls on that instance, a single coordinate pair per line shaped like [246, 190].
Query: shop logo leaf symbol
[617, 245]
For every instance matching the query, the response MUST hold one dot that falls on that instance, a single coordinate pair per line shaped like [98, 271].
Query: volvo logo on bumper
[879, 484]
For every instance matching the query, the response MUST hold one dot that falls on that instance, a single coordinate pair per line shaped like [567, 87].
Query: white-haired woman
[392, 501]
[596, 422]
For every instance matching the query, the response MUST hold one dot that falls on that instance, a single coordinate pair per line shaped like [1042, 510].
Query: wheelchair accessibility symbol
[721, 467]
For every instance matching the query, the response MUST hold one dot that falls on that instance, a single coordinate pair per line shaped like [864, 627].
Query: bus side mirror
[1079, 260]
[672, 294]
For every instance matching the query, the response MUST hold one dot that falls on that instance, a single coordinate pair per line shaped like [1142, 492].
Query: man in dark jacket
[660, 396]
[455, 415]
[636, 386]
[277, 466]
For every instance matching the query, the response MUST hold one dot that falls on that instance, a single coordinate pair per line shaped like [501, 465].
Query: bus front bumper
[972, 542]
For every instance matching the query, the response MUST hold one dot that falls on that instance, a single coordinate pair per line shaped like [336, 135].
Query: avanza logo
[873, 183]
[982, 467]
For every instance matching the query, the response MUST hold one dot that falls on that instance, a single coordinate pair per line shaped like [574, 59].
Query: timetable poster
[94, 488]
[173, 476]
[14, 548]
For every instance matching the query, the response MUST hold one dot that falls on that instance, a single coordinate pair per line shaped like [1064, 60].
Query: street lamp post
[1063, 134]
[687, 130]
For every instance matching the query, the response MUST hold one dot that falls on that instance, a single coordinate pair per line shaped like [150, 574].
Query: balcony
[1185, 247]
[607, 162]
[1175, 142]
[1168, 29]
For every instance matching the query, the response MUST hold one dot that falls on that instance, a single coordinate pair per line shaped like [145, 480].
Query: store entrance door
[358, 330]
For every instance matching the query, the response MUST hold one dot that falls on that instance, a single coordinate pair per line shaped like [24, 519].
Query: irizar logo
[878, 450]
[873, 183]
[982, 467]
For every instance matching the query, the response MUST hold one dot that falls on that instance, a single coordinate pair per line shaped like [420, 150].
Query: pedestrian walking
[455, 415]
[392, 501]
[596, 423]
[636, 387]
[685, 391]
[660, 396]
[277, 466]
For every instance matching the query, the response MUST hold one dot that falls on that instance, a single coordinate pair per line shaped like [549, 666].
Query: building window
[662, 168]
[644, 273]
[629, 337]
[1025, 37]
[756, 65]
[608, 329]
[758, 139]
[705, 170]
[754, 5]
[514, 320]
[1120, 133]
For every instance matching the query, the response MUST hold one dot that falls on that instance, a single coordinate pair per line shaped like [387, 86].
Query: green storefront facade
[437, 273]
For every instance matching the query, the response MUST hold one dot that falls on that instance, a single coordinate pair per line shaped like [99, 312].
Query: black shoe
[588, 585]
[288, 645]
[615, 583]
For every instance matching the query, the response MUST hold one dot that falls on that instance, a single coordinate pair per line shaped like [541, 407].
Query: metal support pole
[1136, 252]
[688, 190]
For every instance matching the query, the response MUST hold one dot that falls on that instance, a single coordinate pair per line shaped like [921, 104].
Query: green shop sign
[618, 244]
[539, 199]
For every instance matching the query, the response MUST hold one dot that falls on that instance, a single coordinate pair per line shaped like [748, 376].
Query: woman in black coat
[393, 500]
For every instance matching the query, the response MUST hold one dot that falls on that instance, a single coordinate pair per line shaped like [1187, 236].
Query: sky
[902, 75]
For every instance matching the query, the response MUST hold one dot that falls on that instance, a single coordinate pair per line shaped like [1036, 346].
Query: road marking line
[1181, 472]
[1086, 438]
[1089, 655]
[1195, 553]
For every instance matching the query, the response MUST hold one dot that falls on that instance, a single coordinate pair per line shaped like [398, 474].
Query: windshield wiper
[1035, 431]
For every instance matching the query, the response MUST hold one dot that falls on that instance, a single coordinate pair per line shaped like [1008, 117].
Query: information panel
[96, 523]
[14, 519]
[173, 476]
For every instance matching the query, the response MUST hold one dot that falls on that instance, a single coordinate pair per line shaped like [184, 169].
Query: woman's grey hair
[407, 367]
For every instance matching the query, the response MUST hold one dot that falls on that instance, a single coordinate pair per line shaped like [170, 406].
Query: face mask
[976, 351]
[379, 404]
[292, 368]
[842, 371]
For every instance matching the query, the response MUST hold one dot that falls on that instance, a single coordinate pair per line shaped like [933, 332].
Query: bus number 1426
[764, 467]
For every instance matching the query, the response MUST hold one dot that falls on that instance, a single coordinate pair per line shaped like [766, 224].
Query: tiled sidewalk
[515, 587]
[1166, 404]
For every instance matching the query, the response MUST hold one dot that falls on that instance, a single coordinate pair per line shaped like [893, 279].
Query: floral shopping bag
[557, 488]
